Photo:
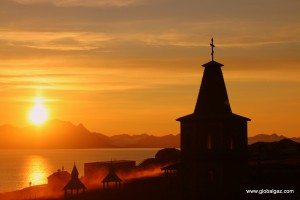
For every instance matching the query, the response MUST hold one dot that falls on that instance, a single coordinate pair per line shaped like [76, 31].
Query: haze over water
[23, 166]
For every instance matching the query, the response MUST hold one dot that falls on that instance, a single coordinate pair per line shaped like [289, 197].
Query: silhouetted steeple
[213, 142]
[74, 183]
[212, 97]
[74, 173]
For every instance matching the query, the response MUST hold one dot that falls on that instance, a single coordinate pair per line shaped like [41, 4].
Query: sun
[38, 114]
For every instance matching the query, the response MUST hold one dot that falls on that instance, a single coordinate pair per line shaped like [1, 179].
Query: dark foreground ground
[264, 177]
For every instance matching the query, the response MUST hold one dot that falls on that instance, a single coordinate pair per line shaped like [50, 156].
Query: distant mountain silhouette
[54, 134]
[62, 134]
[145, 140]
[269, 138]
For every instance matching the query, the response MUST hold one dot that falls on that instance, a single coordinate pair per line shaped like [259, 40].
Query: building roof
[74, 172]
[59, 174]
[111, 176]
[230, 116]
[212, 97]
[75, 182]
[213, 63]
[109, 162]
[212, 102]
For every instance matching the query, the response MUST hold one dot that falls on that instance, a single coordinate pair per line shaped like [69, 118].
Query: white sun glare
[38, 114]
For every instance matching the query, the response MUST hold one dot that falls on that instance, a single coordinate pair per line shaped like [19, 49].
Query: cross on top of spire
[212, 48]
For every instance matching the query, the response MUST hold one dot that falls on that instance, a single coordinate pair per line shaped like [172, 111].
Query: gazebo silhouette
[74, 184]
[111, 177]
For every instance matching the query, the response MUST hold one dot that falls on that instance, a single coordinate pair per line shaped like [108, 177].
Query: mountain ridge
[270, 138]
[64, 134]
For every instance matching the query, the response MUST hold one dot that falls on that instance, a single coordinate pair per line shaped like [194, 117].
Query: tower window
[231, 145]
[209, 143]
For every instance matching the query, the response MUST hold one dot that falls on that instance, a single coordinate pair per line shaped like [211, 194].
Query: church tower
[213, 141]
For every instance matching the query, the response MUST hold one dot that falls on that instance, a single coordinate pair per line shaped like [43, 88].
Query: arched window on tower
[231, 144]
[209, 142]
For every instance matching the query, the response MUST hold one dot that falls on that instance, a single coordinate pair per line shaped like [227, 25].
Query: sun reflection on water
[37, 171]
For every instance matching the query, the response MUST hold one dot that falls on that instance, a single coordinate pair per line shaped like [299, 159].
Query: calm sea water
[19, 167]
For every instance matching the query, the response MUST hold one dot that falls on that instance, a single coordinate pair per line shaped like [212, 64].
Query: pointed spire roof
[74, 172]
[111, 176]
[75, 182]
[212, 97]
[212, 101]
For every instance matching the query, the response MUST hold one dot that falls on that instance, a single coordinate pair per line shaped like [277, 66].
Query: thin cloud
[54, 40]
[84, 41]
[36, 75]
[85, 3]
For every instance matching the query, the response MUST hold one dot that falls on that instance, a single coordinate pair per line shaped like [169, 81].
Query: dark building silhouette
[74, 186]
[111, 177]
[95, 169]
[213, 141]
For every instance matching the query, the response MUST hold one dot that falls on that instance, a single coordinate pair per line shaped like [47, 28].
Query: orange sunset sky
[134, 66]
